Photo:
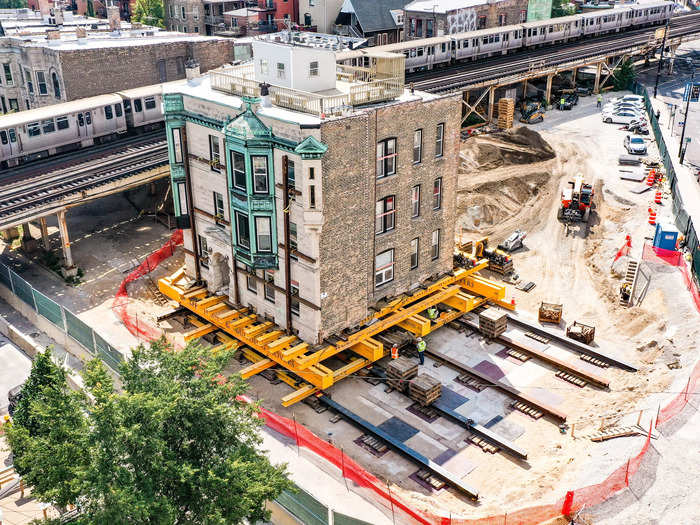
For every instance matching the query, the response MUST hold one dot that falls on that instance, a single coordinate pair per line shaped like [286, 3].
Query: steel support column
[548, 92]
[29, 244]
[44, 234]
[596, 86]
[492, 95]
[68, 269]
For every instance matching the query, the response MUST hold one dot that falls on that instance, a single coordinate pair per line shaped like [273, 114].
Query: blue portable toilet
[665, 236]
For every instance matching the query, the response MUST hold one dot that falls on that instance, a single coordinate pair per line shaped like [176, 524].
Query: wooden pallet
[482, 444]
[611, 433]
[526, 409]
[427, 477]
[517, 355]
[424, 389]
[400, 371]
[537, 337]
[594, 361]
[372, 443]
[472, 382]
[570, 378]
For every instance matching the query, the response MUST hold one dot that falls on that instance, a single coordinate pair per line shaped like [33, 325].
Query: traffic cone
[657, 197]
[652, 217]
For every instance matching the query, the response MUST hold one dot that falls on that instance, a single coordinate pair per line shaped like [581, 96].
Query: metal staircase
[631, 279]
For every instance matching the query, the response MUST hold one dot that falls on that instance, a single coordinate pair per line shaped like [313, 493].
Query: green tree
[47, 433]
[562, 8]
[174, 445]
[13, 4]
[625, 75]
[149, 12]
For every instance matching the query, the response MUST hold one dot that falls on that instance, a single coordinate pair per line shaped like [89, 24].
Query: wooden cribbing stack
[400, 371]
[425, 389]
[492, 322]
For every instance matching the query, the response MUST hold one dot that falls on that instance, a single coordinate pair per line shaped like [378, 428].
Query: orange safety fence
[120, 306]
[691, 285]
[625, 250]
[379, 492]
[659, 255]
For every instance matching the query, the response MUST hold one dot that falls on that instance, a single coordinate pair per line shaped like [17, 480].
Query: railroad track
[26, 194]
[456, 77]
[78, 157]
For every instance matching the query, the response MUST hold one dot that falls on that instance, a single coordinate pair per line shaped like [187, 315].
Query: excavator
[576, 201]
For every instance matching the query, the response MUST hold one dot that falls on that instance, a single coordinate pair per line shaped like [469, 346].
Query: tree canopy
[625, 75]
[149, 12]
[562, 8]
[13, 4]
[173, 445]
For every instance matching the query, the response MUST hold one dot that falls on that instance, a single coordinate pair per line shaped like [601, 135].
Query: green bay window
[260, 174]
[263, 234]
[242, 230]
[238, 174]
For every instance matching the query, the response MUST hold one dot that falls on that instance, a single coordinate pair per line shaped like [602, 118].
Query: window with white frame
[41, 80]
[313, 69]
[242, 230]
[251, 282]
[238, 171]
[9, 81]
[214, 153]
[182, 12]
[28, 81]
[385, 219]
[435, 245]
[281, 74]
[439, 139]
[384, 267]
[415, 201]
[263, 234]
[417, 146]
[270, 286]
[294, 303]
[177, 145]
[260, 176]
[203, 251]
[386, 157]
[414, 253]
[182, 197]
[437, 193]
[219, 213]
[263, 67]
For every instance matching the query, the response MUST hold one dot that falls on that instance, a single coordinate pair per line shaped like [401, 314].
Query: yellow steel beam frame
[266, 344]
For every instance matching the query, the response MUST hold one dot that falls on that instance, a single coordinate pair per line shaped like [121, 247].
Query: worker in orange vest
[395, 351]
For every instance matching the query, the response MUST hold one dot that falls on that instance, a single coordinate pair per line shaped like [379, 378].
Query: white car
[623, 105]
[635, 99]
[619, 117]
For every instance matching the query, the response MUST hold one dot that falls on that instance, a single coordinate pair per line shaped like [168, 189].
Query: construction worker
[432, 313]
[600, 100]
[562, 101]
[395, 351]
[420, 346]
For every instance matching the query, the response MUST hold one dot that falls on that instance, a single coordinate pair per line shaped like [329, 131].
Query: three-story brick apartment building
[310, 191]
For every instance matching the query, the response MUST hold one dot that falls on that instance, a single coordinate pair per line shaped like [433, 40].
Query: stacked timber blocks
[506, 108]
[425, 389]
[492, 323]
[400, 371]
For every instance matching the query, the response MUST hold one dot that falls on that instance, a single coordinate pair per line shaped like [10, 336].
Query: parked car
[638, 99]
[619, 117]
[13, 396]
[584, 91]
[635, 145]
[623, 105]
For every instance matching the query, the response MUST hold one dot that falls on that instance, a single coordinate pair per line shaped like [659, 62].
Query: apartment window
[62, 123]
[437, 193]
[415, 201]
[182, 12]
[8, 74]
[242, 230]
[203, 251]
[417, 146]
[269, 286]
[280, 71]
[109, 115]
[312, 196]
[439, 139]
[414, 253]
[313, 69]
[291, 177]
[481, 23]
[238, 171]
[429, 28]
[251, 282]
[294, 304]
[177, 145]
[150, 102]
[41, 80]
[26, 103]
[435, 245]
[312, 173]
[260, 177]
[384, 268]
[57, 87]
[312, 3]
[14, 105]
[214, 156]
[292, 240]
[28, 80]
[502, 19]
[182, 197]
[218, 207]
[263, 234]
[263, 67]
[385, 214]
[195, 13]
[386, 157]
[48, 126]
[412, 27]
[138, 106]
[172, 13]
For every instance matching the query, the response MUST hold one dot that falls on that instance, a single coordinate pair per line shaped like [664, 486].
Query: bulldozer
[531, 113]
[576, 201]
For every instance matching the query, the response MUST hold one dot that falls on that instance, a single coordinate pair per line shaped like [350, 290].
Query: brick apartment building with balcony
[310, 191]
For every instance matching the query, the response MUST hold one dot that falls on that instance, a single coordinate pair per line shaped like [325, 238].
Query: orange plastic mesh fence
[691, 285]
[378, 491]
[120, 306]
[659, 255]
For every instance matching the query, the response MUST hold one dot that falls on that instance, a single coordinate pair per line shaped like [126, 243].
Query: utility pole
[661, 60]
[687, 108]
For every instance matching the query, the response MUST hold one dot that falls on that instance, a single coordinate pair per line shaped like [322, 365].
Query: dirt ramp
[521, 146]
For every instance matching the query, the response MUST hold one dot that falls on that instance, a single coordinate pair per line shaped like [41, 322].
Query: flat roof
[56, 110]
[443, 6]
[117, 40]
[312, 39]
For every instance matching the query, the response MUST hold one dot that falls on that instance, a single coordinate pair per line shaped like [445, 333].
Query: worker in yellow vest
[395, 351]
[421, 350]
[432, 313]
[600, 100]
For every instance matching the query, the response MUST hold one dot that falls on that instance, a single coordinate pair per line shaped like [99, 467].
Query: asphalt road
[14, 369]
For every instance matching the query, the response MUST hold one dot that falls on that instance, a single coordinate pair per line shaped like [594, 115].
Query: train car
[486, 42]
[41, 132]
[143, 108]
[560, 29]
[607, 21]
[422, 54]
[651, 13]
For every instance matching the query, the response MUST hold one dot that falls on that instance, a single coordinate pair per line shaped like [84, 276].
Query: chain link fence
[64, 319]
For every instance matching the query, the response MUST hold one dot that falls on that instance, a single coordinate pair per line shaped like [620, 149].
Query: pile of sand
[521, 146]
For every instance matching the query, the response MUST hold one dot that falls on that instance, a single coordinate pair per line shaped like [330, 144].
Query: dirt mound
[521, 146]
